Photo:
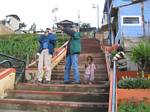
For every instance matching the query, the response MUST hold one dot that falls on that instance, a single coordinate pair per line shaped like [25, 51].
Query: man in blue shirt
[47, 44]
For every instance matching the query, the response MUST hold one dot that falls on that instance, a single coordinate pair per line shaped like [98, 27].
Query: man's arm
[52, 39]
[67, 31]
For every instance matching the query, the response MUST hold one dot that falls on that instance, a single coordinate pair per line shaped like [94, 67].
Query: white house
[12, 22]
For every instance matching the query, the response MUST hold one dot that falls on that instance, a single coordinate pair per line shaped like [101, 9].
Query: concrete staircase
[59, 97]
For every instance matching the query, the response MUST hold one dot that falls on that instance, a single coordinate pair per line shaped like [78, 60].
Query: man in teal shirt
[73, 50]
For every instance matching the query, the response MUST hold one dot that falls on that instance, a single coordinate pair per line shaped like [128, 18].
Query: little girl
[89, 70]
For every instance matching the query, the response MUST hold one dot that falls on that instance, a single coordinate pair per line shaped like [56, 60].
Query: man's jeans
[71, 60]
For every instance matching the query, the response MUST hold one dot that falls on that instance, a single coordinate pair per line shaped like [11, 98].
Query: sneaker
[85, 82]
[38, 82]
[76, 82]
[67, 82]
[90, 83]
[46, 82]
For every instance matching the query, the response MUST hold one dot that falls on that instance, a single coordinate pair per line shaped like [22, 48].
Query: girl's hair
[89, 58]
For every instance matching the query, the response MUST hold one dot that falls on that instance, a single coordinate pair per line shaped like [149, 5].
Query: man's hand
[38, 54]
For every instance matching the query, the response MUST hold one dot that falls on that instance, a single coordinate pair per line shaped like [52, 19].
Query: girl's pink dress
[89, 72]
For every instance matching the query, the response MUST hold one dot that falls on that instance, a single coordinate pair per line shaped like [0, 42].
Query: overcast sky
[40, 11]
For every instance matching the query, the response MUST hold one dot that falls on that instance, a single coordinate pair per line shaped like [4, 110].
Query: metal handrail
[114, 88]
[59, 54]
[6, 61]
[118, 36]
[4, 55]
[22, 68]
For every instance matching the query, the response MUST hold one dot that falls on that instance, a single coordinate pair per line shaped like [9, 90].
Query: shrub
[134, 83]
[134, 107]
[140, 54]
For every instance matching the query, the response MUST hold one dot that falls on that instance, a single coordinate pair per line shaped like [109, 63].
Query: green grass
[24, 46]
[134, 107]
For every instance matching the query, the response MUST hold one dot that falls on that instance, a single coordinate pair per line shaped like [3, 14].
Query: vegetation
[140, 54]
[134, 83]
[85, 25]
[23, 46]
[134, 107]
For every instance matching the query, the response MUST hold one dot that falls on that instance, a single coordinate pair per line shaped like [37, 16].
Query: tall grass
[24, 46]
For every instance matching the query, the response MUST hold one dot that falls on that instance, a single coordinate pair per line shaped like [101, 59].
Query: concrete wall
[7, 80]
[5, 30]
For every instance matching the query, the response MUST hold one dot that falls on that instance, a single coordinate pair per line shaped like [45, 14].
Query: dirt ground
[5, 30]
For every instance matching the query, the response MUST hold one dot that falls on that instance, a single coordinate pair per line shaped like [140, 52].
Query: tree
[32, 28]
[85, 25]
[21, 25]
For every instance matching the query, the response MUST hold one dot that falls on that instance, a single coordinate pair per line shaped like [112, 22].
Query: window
[131, 20]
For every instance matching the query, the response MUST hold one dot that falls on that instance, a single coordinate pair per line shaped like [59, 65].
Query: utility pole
[78, 20]
[54, 10]
[97, 8]
[109, 23]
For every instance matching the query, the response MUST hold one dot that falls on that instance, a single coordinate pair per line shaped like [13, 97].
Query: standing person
[89, 70]
[94, 34]
[73, 50]
[47, 44]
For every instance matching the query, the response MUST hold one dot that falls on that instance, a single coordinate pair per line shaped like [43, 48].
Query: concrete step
[61, 77]
[94, 88]
[58, 96]
[96, 58]
[82, 61]
[61, 69]
[94, 55]
[100, 60]
[3, 110]
[106, 83]
[97, 75]
[82, 67]
[52, 106]
[97, 72]
[96, 82]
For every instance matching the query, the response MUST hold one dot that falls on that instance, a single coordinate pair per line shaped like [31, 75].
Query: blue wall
[117, 3]
[130, 30]
[147, 16]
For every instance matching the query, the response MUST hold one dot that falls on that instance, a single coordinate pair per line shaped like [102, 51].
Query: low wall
[7, 80]
[133, 95]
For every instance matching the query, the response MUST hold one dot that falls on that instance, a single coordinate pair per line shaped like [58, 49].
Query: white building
[12, 22]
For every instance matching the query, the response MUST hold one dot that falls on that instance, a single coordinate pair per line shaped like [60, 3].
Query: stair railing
[114, 109]
[15, 63]
[60, 52]
[4, 62]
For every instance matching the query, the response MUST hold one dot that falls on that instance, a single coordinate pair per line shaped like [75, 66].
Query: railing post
[114, 88]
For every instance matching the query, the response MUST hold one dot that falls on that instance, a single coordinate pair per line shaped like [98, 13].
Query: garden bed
[134, 94]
